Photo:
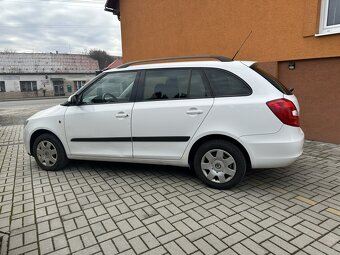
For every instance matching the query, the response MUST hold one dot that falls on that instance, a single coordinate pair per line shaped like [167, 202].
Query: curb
[31, 98]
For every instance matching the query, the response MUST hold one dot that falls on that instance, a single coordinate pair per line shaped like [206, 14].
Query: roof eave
[113, 6]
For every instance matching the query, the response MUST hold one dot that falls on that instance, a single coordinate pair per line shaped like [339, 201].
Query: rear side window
[275, 82]
[170, 84]
[197, 87]
[226, 84]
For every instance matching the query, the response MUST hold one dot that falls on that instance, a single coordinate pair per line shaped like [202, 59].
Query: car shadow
[136, 168]
[253, 177]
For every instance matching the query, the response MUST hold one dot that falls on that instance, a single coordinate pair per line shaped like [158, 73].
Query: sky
[66, 26]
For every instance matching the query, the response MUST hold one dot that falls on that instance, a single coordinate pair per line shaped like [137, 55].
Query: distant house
[115, 64]
[43, 74]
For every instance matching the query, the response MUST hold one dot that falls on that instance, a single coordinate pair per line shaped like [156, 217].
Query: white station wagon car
[218, 117]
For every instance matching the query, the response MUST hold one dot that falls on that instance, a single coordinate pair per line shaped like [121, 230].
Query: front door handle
[194, 111]
[122, 115]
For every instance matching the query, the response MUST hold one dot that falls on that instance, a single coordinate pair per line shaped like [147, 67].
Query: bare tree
[7, 51]
[103, 58]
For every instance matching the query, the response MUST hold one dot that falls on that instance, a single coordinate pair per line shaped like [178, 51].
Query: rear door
[171, 104]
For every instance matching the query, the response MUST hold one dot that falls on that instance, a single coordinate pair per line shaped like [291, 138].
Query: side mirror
[73, 100]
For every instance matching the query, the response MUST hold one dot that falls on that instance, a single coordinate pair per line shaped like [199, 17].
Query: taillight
[286, 111]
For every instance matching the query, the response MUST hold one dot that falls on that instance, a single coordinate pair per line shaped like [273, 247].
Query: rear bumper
[275, 150]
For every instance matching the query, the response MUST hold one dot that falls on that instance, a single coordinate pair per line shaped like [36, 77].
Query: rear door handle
[194, 111]
[122, 115]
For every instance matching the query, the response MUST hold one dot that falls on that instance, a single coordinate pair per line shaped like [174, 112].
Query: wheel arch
[204, 139]
[39, 132]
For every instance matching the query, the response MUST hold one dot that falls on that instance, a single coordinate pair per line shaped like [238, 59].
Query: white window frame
[32, 84]
[324, 29]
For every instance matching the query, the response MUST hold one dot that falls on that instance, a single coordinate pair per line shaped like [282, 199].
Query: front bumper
[26, 137]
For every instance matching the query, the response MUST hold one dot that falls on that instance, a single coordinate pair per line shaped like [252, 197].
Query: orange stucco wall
[317, 86]
[282, 29]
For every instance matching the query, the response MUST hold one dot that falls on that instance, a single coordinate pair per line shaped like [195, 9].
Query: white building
[43, 74]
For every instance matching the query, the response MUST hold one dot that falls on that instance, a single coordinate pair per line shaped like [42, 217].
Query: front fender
[53, 124]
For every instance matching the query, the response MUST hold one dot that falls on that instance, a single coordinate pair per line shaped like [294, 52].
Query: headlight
[26, 121]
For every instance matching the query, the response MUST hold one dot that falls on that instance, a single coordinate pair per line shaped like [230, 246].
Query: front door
[172, 103]
[100, 127]
[58, 88]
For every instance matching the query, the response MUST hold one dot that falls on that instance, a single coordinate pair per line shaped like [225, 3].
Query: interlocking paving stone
[114, 208]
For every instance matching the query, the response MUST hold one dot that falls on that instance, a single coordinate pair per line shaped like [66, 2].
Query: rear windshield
[274, 81]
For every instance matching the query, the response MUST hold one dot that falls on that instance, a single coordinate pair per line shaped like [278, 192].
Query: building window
[26, 86]
[2, 86]
[78, 84]
[330, 17]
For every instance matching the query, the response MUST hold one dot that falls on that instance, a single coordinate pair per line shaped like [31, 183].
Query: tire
[220, 164]
[49, 153]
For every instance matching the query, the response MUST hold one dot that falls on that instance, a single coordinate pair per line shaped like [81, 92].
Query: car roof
[215, 64]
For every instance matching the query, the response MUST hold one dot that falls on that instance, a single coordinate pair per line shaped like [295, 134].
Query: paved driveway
[107, 208]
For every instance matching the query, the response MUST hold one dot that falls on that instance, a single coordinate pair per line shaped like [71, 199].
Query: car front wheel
[49, 153]
[220, 164]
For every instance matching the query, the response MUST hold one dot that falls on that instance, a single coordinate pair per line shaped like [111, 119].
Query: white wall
[12, 81]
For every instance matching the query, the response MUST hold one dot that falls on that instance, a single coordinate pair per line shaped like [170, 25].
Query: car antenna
[242, 45]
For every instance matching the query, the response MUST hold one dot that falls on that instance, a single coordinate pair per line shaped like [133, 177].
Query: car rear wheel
[49, 153]
[220, 164]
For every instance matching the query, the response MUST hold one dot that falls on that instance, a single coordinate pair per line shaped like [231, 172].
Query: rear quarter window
[226, 84]
[272, 80]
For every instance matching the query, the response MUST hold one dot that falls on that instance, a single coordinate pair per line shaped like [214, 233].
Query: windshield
[82, 88]
[274, 81]
[89, 82]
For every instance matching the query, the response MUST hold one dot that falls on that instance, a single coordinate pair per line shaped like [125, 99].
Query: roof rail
[220, 58]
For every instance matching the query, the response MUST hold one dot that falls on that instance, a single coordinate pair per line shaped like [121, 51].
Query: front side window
[171, 84]
[26, 86]
[225, 84]
[330, 17]
[111, 88]
[2, 86]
